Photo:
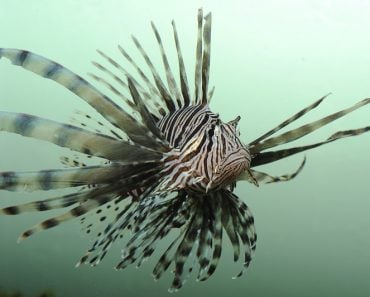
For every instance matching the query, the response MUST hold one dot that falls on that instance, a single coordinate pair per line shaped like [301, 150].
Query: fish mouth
[222, 178]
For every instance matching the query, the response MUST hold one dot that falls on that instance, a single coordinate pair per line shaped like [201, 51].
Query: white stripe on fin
[72, 137]
[76, 84]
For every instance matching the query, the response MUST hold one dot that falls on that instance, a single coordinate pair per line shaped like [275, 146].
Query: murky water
[269, 59]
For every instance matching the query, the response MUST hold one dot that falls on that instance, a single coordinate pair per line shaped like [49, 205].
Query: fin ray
[72, 137]
[289, 120]
[272, 156]
[305, 129]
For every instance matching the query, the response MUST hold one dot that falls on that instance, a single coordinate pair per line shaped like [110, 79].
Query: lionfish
[167, 169]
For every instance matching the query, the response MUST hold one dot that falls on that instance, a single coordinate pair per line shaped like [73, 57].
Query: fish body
[207, 153]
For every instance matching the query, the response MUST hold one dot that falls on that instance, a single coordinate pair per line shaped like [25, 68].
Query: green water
[269, 59]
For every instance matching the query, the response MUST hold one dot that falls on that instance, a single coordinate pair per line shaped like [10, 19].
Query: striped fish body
[207, 155]
[169, 170]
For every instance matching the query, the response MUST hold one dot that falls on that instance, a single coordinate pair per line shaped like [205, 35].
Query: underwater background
[269, 59]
